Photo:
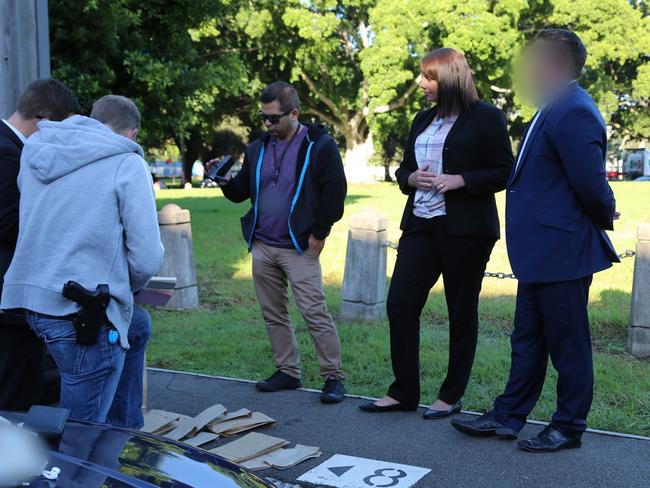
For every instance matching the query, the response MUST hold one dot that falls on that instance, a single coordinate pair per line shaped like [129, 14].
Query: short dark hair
[116, 111]
[284, 93]
[456, 88]
[48, 99]
[569, 46]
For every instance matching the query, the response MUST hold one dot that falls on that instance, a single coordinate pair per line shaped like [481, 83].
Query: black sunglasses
[273, 118]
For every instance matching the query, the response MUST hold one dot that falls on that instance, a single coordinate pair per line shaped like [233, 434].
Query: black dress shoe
[484, 426]
[550, 440]
[333, 391]
[431, 414]
[278, 381]
[397, 407]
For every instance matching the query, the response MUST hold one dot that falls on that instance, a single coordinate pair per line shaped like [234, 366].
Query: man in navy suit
[559, 205]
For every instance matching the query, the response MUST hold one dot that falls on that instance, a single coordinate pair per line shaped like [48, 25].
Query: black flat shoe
[278, 381]
[484, 426]
[398, 407]
[431, 414]
[550, 440]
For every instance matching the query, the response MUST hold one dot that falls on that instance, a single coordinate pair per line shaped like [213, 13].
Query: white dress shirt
[16, 131]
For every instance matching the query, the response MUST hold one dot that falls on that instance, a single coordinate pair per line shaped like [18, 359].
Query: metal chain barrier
[502, 276]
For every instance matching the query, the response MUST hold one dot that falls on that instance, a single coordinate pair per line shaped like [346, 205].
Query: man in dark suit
[559, 205]
[21, 352]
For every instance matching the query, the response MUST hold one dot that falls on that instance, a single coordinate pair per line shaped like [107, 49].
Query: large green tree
[355, 63]
[176, 59]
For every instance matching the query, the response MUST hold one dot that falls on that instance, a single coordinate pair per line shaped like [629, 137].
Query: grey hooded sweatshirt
[88, 214]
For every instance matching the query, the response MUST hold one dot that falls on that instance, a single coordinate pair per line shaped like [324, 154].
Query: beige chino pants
[273, 270]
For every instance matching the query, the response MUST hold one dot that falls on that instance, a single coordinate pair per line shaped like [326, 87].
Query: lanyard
[277, 163]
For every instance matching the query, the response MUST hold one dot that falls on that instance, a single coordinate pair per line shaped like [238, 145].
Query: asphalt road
[454, 459]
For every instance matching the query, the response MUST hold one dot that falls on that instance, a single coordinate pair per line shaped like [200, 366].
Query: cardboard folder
[191, 426]
[249, 447]
[241, 424]
[283, 458]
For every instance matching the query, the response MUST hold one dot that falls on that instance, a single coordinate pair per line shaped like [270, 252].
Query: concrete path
[455, 460]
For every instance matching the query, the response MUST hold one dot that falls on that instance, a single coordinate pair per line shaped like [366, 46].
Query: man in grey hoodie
[88, 214]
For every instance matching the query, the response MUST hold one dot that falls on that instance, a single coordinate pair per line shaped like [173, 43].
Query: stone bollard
[364, 282]
[176, 235]
[639, 343]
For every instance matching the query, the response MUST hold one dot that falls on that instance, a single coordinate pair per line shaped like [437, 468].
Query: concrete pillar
[176, 235]
[24, 48]
[639, 340]
[364, 282]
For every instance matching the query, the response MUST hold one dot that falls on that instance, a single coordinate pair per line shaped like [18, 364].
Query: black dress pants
[21, 365]
[426, 251]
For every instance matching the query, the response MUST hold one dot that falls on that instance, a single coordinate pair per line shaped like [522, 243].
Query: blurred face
[542, 71]
[429, 87]
[278, 123]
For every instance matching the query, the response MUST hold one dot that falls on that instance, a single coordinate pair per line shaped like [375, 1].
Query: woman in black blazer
[458, 155]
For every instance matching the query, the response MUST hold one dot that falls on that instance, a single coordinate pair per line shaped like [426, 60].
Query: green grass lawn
[226, 335]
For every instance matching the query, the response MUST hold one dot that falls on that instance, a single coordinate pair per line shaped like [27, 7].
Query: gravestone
[364, 281]
[176, 235]
[639, 337]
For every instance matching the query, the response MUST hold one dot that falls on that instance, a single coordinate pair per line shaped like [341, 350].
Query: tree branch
[399, 102]
[323, 116]
[320, 95]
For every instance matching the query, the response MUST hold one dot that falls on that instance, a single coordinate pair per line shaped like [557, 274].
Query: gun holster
[92, 316]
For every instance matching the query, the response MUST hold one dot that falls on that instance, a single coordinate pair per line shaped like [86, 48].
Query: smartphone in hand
[220, 169]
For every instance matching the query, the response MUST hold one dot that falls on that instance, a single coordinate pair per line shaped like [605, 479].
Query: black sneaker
[333, 391]
[278, 381]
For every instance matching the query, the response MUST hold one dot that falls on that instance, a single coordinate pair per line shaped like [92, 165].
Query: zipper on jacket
[295, 197]
[258, 172]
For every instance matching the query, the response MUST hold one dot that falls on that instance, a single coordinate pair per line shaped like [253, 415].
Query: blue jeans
[102, 382]
[89, 374]
[126, 410]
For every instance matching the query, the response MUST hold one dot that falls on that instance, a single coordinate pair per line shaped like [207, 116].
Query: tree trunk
[387, 176]
[357, 156]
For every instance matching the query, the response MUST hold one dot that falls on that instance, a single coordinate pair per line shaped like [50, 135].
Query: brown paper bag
[283, 458]
[189, 427]
[248, 447]
[242, 412]
[155, 420]
[201, 438]
[235, 426]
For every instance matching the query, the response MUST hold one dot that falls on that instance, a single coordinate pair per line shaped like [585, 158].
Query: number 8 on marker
[380, 474]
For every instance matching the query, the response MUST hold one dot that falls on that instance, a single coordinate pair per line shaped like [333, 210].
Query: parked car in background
[637, 163]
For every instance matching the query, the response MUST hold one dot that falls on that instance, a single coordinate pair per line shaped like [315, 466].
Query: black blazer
[10, 148]
[478, 148]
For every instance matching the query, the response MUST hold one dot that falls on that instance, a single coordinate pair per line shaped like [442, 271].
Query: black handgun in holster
[92, 316]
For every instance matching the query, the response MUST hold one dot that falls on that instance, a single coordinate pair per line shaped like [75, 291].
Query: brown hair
[47, 98]
[456, 89]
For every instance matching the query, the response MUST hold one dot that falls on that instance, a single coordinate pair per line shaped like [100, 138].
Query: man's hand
[220, 181]
[445, 183]
[316, 245]
[422, 179]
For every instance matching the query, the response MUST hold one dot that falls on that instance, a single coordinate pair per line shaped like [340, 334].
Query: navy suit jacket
[558, 201]
[10, 150]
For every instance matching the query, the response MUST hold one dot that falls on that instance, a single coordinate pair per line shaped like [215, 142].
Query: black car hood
[93, 455]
